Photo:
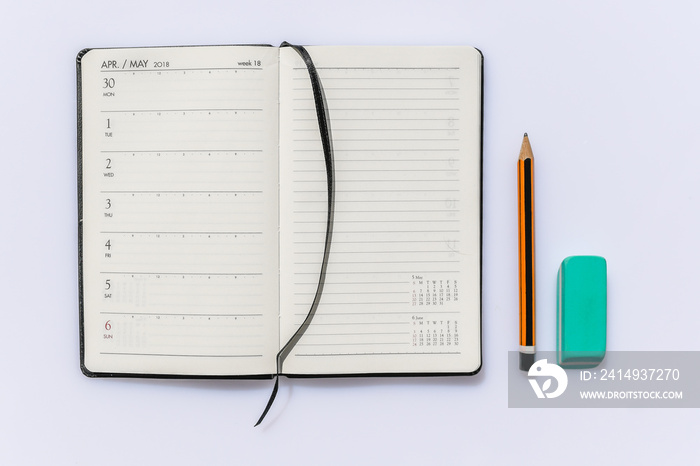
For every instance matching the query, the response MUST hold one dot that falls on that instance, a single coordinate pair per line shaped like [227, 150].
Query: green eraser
[581, 311]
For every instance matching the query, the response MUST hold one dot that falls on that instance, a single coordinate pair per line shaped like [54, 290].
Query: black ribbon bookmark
[324, 129]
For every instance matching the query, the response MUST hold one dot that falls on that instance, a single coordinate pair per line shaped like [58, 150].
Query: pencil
[526, 253]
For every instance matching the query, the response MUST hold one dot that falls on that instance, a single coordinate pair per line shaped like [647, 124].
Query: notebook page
[179, 196]
[402, 289]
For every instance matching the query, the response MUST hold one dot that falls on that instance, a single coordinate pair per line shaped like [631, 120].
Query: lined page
[179, 193]
[402, 289]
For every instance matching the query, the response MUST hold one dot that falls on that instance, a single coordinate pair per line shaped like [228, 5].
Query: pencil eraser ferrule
[581, 311]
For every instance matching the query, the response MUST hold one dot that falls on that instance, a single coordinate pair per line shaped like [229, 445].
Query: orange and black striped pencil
[526, 253]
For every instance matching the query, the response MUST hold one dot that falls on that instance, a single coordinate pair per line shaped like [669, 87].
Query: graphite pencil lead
[526, 149]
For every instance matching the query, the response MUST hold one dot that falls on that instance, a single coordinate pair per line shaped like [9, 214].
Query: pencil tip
[525, 149]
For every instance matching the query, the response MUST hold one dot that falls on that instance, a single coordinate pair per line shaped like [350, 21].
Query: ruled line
[351, 334]
[388, 88]
[360, 180]
[380, 170]
[324, 303]
[374, 241]
[455, 119]
[378, 282]
[375, 221]
[338, 130]
[350, 292]
[183, 355]
[443, 149]
[337, 191]
[370, 272]
[436, 353]
[111, 232]
[204, 274]
[178, 315]
[317, 324]
[165, 110]
[334, 262]
[382, 109]
[398, 99]
[408, 211]
[383, 140]
[380, 78]
[136, 70]
[330, 314]
[190, 151]
[429, 251]
[371, 343]
[374, 68]
[355, 201]
[180, 192]
[335, 232]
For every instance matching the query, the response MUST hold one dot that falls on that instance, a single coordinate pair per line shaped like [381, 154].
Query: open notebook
[203, 206]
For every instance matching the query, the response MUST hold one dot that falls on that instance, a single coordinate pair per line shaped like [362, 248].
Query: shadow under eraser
[581, 311]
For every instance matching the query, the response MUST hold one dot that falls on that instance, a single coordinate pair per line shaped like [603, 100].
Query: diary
[204, 211]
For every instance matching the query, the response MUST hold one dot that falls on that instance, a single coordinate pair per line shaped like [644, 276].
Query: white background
[609, 94]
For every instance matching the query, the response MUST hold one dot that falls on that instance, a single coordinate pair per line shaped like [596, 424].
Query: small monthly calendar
[433, 290]
[434, 332]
